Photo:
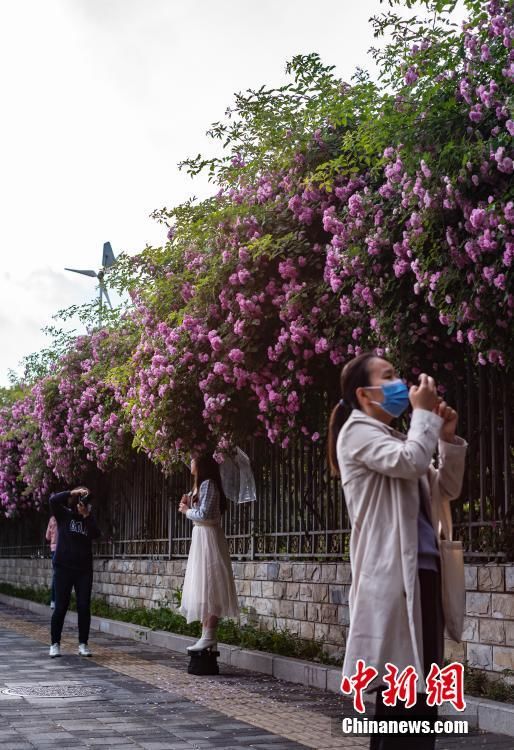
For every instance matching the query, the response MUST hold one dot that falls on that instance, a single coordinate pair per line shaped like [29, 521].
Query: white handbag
[453, 587]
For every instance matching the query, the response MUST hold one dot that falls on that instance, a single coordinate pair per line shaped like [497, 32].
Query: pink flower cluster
[68, 421]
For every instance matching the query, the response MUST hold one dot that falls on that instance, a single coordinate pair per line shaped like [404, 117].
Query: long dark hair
[355, 374]
[208, 468]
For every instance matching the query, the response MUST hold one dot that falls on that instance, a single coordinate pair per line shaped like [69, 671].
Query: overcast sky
[101, 99]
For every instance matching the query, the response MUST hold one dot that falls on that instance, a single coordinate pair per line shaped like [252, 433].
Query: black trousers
[67, 579]
[52, 595]
[433, 648]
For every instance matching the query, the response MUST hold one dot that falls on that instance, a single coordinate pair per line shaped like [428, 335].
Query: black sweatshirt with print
[76, 534]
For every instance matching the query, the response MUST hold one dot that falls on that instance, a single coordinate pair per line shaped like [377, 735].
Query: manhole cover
[54, 691]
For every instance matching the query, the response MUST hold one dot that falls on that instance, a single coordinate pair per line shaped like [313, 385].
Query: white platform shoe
[208, 640]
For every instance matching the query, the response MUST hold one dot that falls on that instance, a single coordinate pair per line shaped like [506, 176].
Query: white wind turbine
[108, 260]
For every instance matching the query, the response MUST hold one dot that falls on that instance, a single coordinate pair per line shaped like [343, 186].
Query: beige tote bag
[452, 578]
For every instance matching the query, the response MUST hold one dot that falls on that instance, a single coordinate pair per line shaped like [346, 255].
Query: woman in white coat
[395, 499]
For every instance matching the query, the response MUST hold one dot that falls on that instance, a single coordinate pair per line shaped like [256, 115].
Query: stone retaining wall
[309, 599]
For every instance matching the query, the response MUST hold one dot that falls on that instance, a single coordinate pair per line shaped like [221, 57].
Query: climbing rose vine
[347, 217]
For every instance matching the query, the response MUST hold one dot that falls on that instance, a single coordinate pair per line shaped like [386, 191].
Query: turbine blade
[103, 290]
[108, 258]
[85, 273]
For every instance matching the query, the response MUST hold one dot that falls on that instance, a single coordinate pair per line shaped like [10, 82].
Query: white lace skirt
[209, 587]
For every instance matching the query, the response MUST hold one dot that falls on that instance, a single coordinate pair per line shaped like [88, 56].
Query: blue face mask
[396, 397]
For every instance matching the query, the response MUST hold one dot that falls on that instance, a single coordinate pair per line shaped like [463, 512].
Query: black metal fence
[484, 514]
[300, 511]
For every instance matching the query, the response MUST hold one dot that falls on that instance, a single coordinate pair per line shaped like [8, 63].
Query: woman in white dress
[209, 592]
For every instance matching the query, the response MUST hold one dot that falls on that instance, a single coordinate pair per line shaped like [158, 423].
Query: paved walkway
[131, 695]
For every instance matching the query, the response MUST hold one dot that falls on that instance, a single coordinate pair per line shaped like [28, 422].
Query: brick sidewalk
[144, 698]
